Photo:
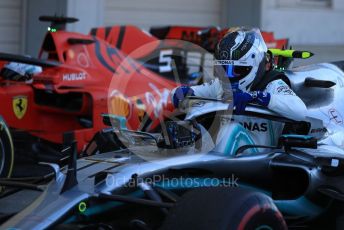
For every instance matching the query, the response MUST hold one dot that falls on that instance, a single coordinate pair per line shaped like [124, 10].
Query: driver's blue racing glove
[241, 99]
[180, 93]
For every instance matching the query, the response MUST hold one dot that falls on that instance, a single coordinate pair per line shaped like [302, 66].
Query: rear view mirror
[289, 141]
[128, 137]
[137, 138]
[311, 82]
[115, 121]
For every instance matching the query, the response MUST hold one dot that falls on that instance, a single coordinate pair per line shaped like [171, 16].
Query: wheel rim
[264, 227]
[2, 156]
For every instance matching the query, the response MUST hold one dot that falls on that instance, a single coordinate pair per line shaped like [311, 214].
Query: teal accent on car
[239, 136]
[305, 137]
[119, 122]
[264, 227]
[271, 133]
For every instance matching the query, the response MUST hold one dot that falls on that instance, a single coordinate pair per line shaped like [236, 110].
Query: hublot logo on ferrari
[74, 76]
[251, 126]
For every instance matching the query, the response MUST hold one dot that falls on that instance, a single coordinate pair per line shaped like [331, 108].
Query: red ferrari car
[208, 36]
[83, 76]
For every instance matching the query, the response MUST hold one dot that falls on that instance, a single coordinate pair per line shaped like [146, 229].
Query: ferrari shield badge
[19, 104]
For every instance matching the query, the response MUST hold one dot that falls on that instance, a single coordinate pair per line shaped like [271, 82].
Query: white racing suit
[258, 131]
[16, 71]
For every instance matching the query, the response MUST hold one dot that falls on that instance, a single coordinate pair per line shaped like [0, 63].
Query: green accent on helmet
[291, 53]
[306, 55]
[236, 54]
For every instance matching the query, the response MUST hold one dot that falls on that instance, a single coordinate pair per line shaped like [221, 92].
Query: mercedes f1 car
[142, 187]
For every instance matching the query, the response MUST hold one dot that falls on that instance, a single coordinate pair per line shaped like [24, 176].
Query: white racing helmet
[240, 58]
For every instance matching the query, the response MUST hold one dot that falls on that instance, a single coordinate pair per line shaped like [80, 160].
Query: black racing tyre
[227, 208]
[6, 151]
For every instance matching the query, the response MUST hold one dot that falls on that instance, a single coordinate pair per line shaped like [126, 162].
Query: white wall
[243, 13]
[11, 29]
[34, 29]
[89, 12]
[305, 25]
[147, 13]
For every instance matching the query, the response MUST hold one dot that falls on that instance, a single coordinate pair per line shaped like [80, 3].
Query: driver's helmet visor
[233, 69]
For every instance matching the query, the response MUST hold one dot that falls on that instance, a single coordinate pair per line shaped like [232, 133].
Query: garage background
[11, 25]
[153, 12]
[310, 24]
